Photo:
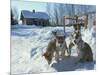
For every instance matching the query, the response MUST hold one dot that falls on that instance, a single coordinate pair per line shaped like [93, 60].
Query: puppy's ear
[54, 33]
[44, 54]
[72, 34]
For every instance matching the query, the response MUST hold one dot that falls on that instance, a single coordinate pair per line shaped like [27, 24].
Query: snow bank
[28, 43]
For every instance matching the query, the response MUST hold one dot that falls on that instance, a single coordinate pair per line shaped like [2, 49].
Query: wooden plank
[78, 15]
[68, 25]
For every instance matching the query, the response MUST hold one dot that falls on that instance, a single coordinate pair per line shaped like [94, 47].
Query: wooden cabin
[34, 18]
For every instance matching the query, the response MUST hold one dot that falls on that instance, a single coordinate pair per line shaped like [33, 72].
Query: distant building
[34, 18]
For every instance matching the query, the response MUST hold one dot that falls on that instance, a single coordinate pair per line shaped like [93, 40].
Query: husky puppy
[84, 50]
[56, 48]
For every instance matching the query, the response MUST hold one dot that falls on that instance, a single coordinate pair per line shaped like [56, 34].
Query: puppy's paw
[68, 55]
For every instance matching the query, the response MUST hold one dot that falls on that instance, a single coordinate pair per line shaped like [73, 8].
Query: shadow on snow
[71, 64]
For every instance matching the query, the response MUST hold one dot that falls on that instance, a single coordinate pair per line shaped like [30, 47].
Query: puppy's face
[76, 37]
[60, 39]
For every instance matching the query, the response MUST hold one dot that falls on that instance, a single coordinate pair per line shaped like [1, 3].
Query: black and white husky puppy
[84, 50]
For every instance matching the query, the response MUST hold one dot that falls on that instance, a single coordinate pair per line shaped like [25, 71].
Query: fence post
[64, 23]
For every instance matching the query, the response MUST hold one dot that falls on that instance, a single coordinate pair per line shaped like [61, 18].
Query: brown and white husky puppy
[56, 48]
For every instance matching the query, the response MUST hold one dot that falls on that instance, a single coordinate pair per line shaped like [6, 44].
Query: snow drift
[28, 43]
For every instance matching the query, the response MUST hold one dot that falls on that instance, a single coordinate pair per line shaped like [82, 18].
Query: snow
[28, 43]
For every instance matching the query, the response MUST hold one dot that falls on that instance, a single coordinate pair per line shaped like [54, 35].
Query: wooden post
[86, 21]
[64, 23]
[76, 19]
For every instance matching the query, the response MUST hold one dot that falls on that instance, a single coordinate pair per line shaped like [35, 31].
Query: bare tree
[56, 14]
[58, 11]
[15, 13]
[14, 16]
[48, 7]
[61, 14]
[50, 10]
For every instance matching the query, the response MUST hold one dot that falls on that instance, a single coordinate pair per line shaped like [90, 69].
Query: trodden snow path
[28, 43]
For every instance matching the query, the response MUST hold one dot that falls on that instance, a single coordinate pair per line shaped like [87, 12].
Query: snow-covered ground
[28, 43]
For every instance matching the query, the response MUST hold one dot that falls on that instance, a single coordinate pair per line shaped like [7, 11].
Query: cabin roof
[39, 15]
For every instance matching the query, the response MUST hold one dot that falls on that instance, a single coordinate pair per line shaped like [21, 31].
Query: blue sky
[28, 5]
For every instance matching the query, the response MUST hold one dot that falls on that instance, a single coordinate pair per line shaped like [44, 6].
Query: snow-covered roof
[39, 15]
